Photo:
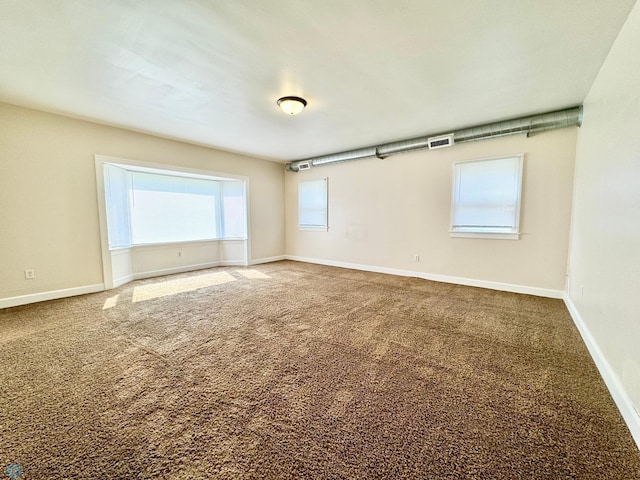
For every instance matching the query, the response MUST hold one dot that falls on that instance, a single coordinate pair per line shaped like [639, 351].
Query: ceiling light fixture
[292, 105]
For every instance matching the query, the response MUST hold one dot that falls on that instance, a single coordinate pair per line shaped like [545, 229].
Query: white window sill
[313, 228]
[491, 235]
[205, 241]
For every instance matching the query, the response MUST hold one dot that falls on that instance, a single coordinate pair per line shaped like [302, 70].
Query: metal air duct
[535, 123]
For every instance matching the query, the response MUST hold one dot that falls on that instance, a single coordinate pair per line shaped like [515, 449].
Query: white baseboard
[200, 266]
[183, 269]
[617, 391]
[122, 280]
[258, 261]
[51, 295]
[231, 263]
[506, 287]
[99, 287]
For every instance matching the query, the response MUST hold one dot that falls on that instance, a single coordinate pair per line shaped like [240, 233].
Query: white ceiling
[210, 72]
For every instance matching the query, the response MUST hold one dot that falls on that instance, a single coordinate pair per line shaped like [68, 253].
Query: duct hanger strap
[535, 123]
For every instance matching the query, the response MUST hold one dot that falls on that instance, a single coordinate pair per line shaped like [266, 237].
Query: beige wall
[48, 202]
[604, 282]
[382, 212]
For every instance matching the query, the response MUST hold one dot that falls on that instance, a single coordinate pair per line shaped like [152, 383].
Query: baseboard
[200, 266]
[183, 269]
[617, 391]
[231, 263]
[505, 287]
[39, 297]
[122, 280]
[51, 295]
[258, 261]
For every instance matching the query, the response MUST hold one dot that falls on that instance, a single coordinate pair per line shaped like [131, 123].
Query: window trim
[480, 232]
[316, 228]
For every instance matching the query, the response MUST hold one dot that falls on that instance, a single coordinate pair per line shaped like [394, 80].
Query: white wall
[382, 212]
[604, 282]
[48, 202]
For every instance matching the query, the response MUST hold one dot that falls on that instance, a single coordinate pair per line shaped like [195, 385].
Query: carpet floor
[296, 371]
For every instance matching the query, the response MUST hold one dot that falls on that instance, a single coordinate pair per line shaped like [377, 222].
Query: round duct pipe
[530, 124]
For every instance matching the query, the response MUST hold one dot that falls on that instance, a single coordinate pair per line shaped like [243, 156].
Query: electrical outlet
[29, 274]
[416, 258]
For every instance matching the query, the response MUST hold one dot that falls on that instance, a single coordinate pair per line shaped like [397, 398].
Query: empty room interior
[356, 239]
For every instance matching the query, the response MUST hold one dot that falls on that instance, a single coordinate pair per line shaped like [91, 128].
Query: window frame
[310, 227]
[488, 232]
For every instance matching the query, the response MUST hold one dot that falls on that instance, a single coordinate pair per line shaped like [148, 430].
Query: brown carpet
[289, 370]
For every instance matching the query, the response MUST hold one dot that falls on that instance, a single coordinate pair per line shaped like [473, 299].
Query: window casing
[486, 198]
[312, 205]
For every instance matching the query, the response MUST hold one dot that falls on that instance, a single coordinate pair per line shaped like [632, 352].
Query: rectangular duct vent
[440, 142]
[304, 166]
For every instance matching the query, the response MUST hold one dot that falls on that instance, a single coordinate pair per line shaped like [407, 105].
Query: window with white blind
[312, 205]
[167, 209]
[149, 206]
[486, 198]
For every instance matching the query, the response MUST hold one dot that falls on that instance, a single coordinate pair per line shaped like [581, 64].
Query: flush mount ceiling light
[292, 105]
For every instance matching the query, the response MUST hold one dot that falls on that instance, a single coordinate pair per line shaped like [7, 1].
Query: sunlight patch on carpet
[251, 274]
[110, 302]
[181, 285]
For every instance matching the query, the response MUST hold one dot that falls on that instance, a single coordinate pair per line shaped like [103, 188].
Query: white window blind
[233, 208]
[486, 197]
[166, 209]
[117, 206]
[312, 204]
